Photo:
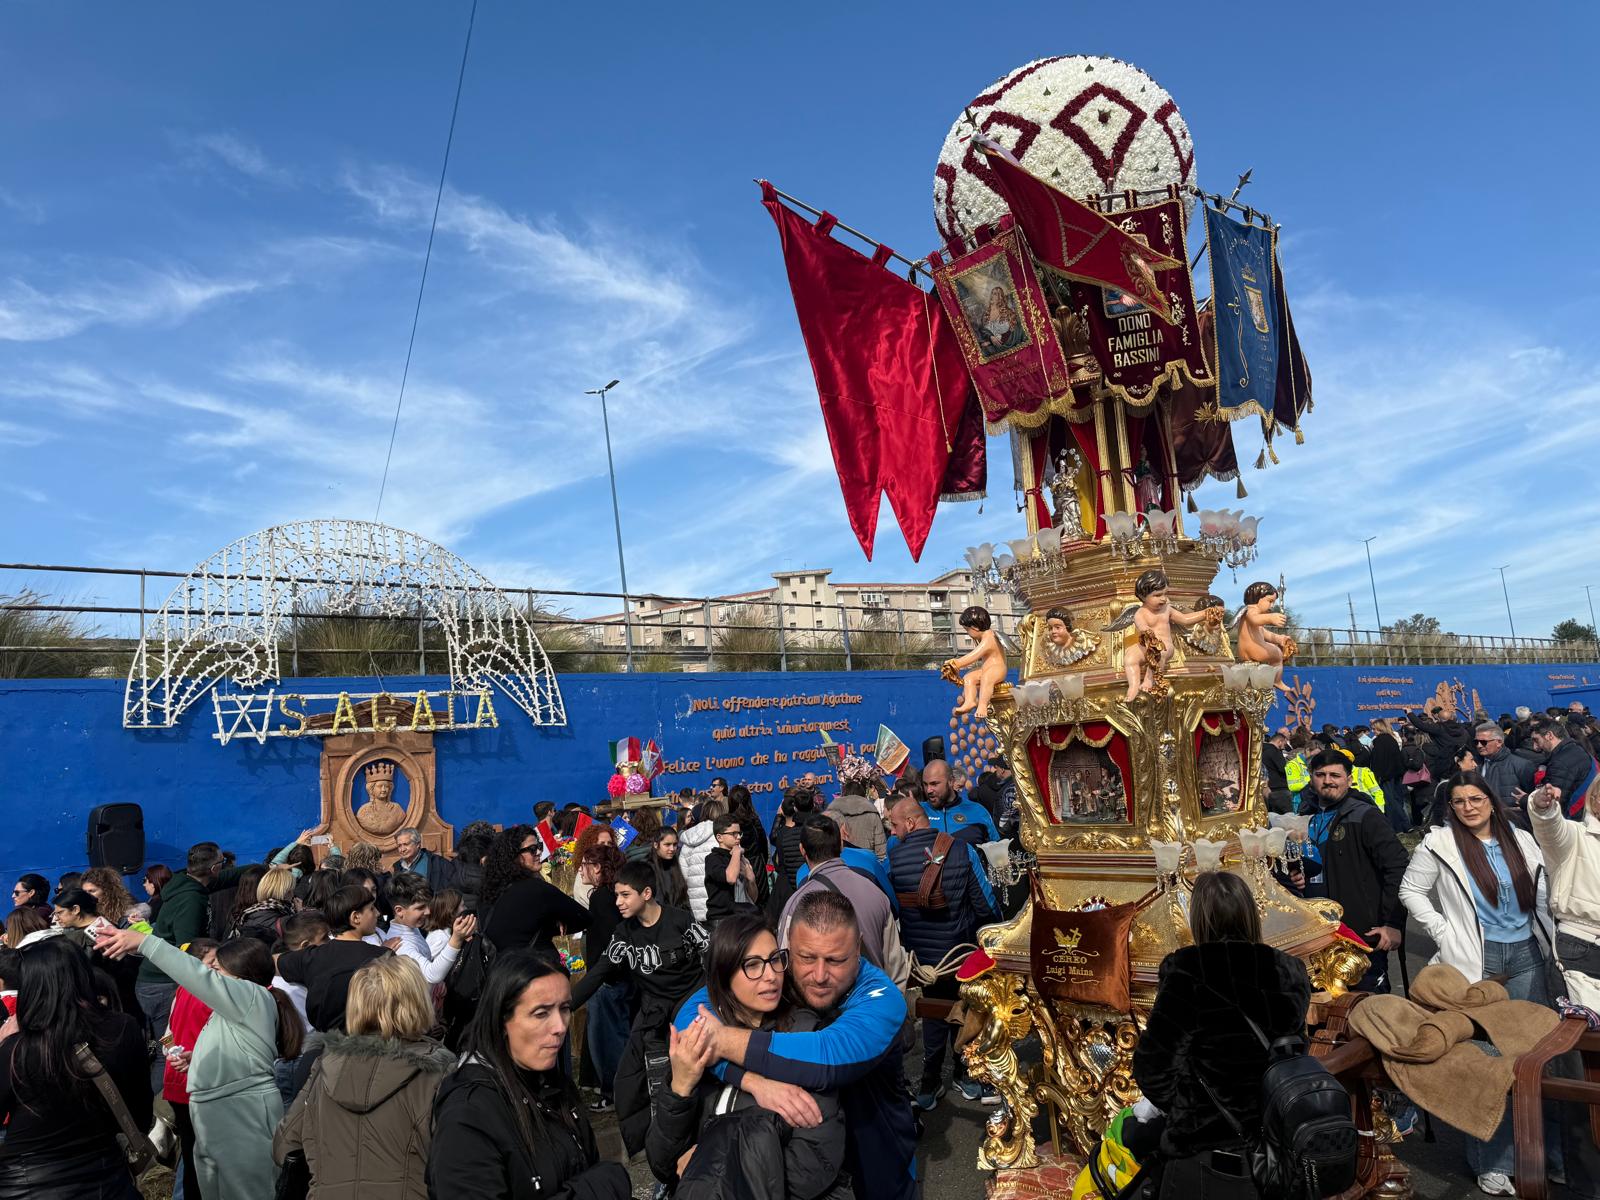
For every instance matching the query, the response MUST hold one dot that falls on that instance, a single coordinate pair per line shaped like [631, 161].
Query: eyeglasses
[754, 967]
[530, 848]
[1467, 801]
[19, 890]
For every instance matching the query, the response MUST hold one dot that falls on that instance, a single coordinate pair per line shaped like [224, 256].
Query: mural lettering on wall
[773, 732]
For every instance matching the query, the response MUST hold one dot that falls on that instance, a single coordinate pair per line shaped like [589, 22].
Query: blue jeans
[608, 1031]
[155, 1001]
[1523, 965]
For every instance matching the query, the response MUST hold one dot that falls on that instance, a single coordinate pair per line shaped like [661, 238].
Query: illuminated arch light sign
[223, 624]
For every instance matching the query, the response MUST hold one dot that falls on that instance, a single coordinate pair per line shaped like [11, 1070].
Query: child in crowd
[445, 907]
[325, 969]
[412, 899]
[660, 950]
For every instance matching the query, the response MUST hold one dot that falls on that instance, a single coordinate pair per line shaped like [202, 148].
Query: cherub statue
[1064, 646]
[987, 660]
[1258, 639]
[1149, 650]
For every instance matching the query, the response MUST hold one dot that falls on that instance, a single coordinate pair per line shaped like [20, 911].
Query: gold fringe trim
[1261, 461]
[1241, 493]
[1272, 454]
[961, 497]
[1299, 437]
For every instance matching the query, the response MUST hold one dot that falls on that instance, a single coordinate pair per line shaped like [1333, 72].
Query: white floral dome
[1084, 123]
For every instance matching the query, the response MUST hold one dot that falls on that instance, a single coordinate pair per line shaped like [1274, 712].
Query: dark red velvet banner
[1068, 236]
[1137, 349]
[1002, 322]
[890, 376]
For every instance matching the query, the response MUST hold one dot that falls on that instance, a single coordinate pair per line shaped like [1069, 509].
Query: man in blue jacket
[856, 1051]
[948, 812]
[943, 887]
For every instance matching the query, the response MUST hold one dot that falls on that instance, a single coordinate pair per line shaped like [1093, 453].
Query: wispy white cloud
[123, 294]
[22, 207]
[237, 154]
[14, 433]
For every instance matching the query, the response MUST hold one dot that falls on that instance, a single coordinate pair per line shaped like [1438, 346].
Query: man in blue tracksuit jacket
[856, 1051]
[966, 820]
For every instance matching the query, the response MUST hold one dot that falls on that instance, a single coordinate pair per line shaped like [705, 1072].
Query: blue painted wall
[64, 750]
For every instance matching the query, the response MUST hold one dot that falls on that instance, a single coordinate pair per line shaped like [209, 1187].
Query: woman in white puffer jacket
[1476, 885]
[694, 845]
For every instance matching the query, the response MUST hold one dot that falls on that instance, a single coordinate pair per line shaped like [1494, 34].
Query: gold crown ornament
[380, 771]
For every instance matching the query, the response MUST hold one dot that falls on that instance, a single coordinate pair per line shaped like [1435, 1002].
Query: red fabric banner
[1068, 236]
[889, 372]
[1002, 322]
[1137, 353]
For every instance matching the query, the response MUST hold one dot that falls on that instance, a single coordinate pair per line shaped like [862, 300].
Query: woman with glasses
[1476, 886]
[518, 909]
[706, 1129]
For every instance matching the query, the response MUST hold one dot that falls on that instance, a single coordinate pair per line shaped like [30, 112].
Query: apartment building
[808, 604]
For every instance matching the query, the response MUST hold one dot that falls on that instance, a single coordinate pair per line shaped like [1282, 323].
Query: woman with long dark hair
[1476, 886]
[61, 1136]
[702, 1126]
[508, 1125]
[31, 891]
[752, 837]
[156, 877]
[672, 887]
[606, 1031]
[519, 909]
[234, 1100]
[1199, 1061]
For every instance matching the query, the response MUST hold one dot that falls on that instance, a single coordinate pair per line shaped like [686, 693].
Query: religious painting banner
[1244, 290]
[1002, 322]
[1138, 354]
[1080, 242]
[890, 377]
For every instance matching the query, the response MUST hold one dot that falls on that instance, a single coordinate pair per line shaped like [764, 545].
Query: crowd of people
[333, 1027]
[339, 1026]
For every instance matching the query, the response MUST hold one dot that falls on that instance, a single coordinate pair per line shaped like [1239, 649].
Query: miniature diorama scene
[1086, 787]
[1220, 773]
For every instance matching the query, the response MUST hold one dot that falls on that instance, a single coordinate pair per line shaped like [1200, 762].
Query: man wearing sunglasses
[1510, 775]
[856, 1051]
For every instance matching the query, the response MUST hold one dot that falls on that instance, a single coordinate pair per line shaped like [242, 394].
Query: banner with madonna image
[1002, 321]
[1140, 351]
[1244, 290]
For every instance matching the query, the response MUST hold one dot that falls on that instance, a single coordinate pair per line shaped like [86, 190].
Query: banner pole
[916, 266]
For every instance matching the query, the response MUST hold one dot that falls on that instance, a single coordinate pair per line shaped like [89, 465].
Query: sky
[213, 220]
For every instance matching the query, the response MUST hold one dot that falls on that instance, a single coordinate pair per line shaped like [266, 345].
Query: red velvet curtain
[1039, 755]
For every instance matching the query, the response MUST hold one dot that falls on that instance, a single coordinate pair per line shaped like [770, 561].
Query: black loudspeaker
[932, 748]
[116, 837]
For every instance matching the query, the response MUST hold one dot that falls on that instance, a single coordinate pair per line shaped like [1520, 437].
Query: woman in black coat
[508, 1125]
[1198, 1055]
[1388, 764]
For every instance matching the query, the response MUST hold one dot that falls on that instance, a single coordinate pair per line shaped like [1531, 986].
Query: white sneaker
[1496, 1183]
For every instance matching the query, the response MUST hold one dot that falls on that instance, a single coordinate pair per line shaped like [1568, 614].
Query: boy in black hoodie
[662, 950]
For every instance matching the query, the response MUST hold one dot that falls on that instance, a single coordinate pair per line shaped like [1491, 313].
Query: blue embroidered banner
[1244, 291]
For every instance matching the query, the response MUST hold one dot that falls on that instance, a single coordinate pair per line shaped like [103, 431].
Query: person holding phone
[1572, 862]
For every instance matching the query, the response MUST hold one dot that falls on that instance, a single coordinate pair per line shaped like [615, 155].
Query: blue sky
[212, 219]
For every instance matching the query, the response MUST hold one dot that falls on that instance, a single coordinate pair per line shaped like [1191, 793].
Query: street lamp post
[616, 516]
[1503, 588]
[1593, 628]
[1373, 579]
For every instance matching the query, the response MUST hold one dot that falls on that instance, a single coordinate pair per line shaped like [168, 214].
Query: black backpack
[1305, 1147]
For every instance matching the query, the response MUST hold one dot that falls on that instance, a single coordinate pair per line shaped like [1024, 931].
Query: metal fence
[98, 634]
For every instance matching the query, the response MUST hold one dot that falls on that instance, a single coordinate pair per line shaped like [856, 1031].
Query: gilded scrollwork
[1004, 1019]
